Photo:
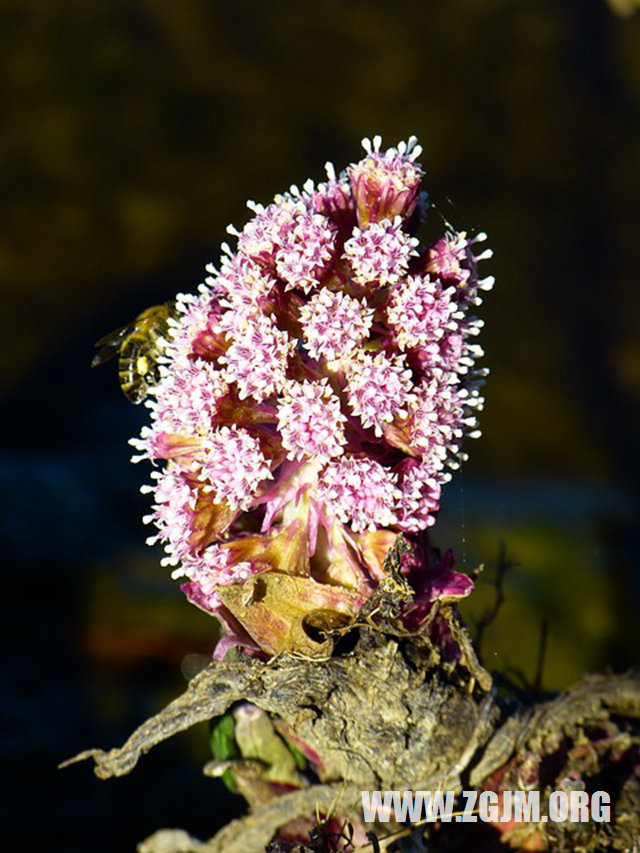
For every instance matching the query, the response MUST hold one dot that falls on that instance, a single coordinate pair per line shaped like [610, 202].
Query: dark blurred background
[133, 132]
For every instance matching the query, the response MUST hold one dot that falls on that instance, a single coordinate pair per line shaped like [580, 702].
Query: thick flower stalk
[314, 395]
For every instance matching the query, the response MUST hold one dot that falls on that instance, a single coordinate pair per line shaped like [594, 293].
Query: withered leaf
[278, 611]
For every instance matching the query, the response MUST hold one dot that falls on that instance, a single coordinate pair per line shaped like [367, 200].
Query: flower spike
[314, 396]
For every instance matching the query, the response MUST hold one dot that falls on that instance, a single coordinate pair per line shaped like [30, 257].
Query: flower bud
[387, 184]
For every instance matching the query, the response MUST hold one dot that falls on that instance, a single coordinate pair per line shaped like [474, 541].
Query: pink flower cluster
[315, 391]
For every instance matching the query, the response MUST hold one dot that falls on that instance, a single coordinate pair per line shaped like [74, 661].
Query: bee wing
[109, 345]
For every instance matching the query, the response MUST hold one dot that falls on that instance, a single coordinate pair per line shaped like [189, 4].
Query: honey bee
[137, 345]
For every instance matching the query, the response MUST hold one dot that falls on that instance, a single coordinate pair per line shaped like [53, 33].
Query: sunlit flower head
[314, 393]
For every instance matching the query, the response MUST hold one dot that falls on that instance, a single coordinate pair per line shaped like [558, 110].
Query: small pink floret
[234, 466]
[306, 252]
[310, 421]
[334, 324]
[242, 283]
[419, 484]
[257, 358]
[360, 492]
[379, 254]
[186, 399]
[379, 388]
[263, 235]
[173, 511]
[421, 312]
